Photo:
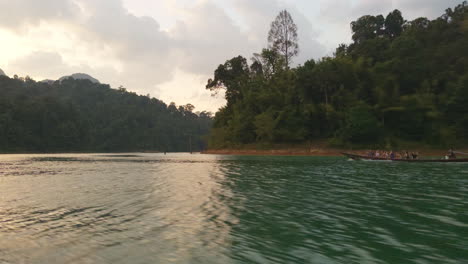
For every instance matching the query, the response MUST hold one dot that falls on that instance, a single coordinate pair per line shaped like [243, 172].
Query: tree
[341, 51]
[230, 76]
[189, 108]
[265, 124]
[326, 76]
[269, 61]
[418, 25]
[283, 36]
[458, 108]
[367, 27]
[394, 24]
[361, 126]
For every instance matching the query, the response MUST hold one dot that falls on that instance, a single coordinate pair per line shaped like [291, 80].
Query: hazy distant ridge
[77, 114]
[80, 76]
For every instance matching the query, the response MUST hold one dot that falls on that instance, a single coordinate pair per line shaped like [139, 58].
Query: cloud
[208, 37]
[189, 88]
[39, 63]
[43, 64]
[19, 13]
[146, 52]
[309, 45]
[425, 8]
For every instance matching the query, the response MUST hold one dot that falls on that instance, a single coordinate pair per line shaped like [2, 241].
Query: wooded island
[398, 82]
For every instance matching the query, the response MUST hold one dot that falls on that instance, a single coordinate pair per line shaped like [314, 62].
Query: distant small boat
[362, 157]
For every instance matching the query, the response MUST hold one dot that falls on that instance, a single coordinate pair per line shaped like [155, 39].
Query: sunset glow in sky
[169, 48]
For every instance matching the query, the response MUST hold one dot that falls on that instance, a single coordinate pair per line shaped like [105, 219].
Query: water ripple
[152, 208]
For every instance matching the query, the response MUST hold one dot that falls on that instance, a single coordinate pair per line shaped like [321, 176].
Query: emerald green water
[180, 208]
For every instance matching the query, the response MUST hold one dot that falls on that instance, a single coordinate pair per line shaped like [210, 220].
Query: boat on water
[363, 157]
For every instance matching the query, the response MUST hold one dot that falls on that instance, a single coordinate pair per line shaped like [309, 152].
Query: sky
[170, 48]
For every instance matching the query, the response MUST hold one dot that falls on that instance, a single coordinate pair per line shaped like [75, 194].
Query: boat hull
[361, 157]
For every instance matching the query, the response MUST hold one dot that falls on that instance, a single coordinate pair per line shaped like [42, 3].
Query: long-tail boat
[363, 157]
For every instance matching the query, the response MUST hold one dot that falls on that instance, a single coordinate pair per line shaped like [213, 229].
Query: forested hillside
[398, 81]
[79, 115]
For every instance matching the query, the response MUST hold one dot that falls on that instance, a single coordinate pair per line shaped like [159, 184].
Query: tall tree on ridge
[394, 24]
[283, 36]
[367, 27]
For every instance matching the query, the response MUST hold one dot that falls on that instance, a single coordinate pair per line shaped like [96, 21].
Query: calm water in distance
[181, 208]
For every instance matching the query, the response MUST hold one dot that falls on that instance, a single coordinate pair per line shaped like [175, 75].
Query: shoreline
[317, 152]
[279, 152]
[322, 152]
[77, 152]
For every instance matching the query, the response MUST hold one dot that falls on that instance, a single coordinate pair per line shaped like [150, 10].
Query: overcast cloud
[170, 48]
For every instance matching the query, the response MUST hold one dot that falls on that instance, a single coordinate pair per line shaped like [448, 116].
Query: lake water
[181, 208]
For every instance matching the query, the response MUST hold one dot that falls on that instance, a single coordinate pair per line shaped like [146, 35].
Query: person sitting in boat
[414, 155]
[406, 156]
[451, 154]
[392, 155]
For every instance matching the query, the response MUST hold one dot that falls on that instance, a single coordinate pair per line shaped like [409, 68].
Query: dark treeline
[398, 82]
[78, 115]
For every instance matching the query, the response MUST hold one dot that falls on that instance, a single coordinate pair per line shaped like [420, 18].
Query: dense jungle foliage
[398, 81]
[79, 115]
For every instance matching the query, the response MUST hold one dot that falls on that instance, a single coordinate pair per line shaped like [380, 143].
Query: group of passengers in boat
[382, 154]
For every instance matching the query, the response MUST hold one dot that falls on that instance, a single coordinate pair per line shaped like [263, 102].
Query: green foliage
[265, 124]
[78, 115]
[394, 24]
[458, 109]
[361, 125]
[367, 28]
[399, 81]
[230, 76]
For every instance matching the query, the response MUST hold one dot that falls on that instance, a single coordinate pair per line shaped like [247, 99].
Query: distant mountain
[48, 81]
[2, 73]
[80, 76]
